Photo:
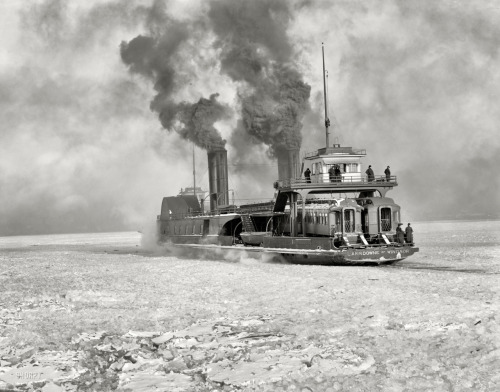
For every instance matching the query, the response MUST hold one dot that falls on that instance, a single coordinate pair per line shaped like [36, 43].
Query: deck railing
[336, 181]
[247, 208]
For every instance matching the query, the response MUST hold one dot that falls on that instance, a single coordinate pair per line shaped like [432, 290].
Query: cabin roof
[335, 150]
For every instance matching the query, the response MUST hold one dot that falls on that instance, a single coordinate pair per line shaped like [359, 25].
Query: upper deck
[345, 184]
[336, 169]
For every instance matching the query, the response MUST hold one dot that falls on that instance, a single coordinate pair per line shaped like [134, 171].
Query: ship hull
[377, 255]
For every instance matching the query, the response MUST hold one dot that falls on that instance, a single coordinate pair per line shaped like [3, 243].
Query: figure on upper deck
[388, 174]
[400, 235]
[409, 234]
[307, 175]
[338, 174]
[370, 174]
[331, 174]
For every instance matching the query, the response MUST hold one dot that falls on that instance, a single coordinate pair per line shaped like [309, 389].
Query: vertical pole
[327, 120]
[194, 176]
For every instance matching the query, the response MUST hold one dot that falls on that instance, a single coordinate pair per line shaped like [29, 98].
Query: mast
[194, 176]
[327, 120]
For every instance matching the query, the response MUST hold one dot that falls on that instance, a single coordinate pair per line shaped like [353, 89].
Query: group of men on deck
[336, 175]
[371, 175]
[407, 235]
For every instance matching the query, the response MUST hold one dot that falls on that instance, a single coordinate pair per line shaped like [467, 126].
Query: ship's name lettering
[377, 252]
[398, 251]
[366, 253]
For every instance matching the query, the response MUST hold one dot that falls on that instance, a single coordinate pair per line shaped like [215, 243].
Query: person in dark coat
[400, 235]
[331, 173]
[388, 174]
[338, 174]
[370, 174]
[307, 175]
[409, 234]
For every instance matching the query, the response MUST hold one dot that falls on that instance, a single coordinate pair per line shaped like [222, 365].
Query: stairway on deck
[247, 223]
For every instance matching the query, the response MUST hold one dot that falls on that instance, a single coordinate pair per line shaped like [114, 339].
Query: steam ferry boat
[325, 217]
[345, 219]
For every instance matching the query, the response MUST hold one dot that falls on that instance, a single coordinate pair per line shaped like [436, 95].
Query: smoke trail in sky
[256, 51]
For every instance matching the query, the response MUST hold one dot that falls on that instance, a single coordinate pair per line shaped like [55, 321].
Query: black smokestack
[217, 177]
[288, 163]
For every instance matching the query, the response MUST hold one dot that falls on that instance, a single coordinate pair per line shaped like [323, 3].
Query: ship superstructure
[320, 219]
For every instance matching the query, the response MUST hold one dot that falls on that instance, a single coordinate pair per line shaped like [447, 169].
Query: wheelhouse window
[385, 219]
[351, 168]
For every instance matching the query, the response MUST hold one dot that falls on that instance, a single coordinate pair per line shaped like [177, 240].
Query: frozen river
[105, 310]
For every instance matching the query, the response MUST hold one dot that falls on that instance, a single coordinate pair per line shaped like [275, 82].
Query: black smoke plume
[154, 57]
[255, 50]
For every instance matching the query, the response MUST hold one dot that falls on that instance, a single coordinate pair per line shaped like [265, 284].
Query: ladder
[247, 223]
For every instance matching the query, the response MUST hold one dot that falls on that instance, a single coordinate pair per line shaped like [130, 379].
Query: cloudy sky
[93, 95]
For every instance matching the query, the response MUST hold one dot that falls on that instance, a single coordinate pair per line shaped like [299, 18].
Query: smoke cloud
[255, 50]
[155, 58]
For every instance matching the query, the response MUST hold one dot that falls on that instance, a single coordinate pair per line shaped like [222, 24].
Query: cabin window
[385, 219]
[337, 220]
[349, 221]
[350, 168]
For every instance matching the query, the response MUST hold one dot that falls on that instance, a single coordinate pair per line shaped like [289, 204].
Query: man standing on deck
[400, 235]
[388, 174]
[338, 174]
[370, 174]
[331, 173]
[409, 234]
[307, 175]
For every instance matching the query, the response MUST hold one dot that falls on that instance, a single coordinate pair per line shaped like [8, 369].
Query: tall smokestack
[217, 177]
[288, 163]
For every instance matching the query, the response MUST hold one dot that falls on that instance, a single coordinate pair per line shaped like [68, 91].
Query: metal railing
[339, 181]
[248, 208]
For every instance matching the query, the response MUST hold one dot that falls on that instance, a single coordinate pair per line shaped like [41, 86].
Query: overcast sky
[90, 91]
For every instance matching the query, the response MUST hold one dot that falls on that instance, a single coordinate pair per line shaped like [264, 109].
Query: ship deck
[345, 184]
